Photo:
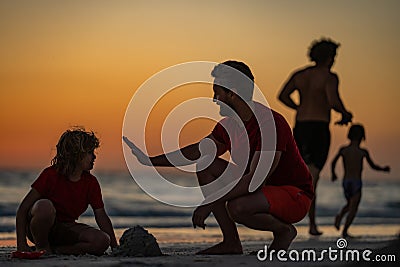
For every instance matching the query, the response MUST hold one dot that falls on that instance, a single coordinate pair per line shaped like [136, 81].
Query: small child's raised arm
[373, 165]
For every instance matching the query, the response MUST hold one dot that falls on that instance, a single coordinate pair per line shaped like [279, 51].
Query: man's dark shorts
[313, 139]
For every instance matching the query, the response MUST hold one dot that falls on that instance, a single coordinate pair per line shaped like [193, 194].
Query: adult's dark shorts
[313, 139]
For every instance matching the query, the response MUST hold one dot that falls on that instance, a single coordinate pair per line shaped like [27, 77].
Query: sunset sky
[66, 63]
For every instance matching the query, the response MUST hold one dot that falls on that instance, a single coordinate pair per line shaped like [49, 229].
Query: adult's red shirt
[69, 198]
[291, 169]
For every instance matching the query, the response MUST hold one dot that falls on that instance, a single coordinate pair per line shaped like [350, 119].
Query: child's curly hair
[71, 148]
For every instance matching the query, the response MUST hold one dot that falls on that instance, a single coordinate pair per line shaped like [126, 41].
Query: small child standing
[353, 156]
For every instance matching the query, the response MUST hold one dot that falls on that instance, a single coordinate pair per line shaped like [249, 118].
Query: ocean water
[127, 204]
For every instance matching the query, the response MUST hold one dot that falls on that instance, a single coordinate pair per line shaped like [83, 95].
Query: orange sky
[80, 62]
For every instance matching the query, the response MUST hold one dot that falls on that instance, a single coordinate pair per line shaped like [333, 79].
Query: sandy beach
[180, 245]
[375, 226]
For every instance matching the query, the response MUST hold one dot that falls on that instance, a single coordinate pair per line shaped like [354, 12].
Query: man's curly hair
[71, 149]
[323, 49]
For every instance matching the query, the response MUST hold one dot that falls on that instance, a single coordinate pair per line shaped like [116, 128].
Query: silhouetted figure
[317, 86]
[353, 156]
[285, 194]
[62, 192]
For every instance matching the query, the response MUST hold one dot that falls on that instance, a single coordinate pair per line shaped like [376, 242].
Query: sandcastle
[137, 242]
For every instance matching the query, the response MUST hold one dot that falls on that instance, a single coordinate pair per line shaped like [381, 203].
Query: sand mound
[137, 242]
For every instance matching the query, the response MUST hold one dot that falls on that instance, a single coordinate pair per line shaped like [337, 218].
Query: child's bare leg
[340, 215]
[231, 243]
[353, 206]
[43, 217]
[91, 241]
[311, 213]
[252, 211]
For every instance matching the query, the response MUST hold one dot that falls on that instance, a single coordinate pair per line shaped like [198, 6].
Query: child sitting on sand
[60, 194]
[353, 156]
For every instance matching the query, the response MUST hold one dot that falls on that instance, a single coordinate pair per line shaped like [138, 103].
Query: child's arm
[104, 223]
[22, 218]
[373, 165]
[333, 166]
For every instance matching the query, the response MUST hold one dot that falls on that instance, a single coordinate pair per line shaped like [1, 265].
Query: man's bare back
[316, 86]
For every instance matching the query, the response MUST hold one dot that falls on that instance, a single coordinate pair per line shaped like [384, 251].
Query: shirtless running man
[317, 86]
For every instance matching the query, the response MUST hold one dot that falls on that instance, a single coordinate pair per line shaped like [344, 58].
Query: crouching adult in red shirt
[62, 192]
[262, 148]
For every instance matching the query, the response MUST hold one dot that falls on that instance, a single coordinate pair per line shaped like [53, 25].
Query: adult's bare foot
[223, 248]
[314, 231]
[347, 235]
[283, 239]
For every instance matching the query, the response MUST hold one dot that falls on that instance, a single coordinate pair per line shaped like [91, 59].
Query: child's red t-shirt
[70, 199]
